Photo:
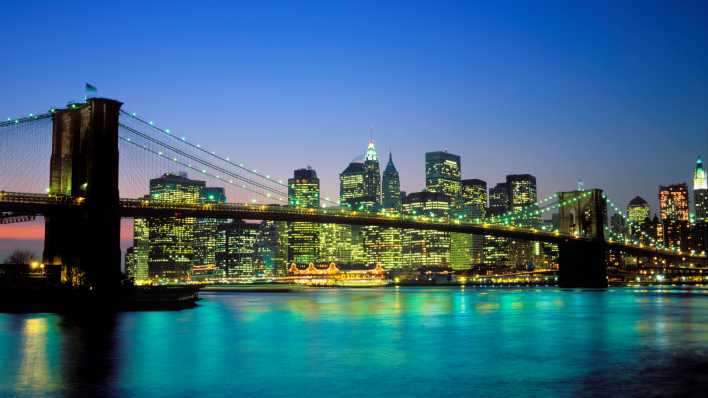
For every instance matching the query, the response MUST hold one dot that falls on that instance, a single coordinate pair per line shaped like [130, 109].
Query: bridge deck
[45, 204]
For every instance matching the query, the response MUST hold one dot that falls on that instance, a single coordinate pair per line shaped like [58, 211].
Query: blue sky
[613, 93]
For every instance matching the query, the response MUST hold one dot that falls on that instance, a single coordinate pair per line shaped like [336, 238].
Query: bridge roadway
[46, 204]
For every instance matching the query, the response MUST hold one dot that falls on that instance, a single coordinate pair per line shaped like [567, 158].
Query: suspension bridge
[96, 150]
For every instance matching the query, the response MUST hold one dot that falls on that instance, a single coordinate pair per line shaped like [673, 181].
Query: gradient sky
[613, 94]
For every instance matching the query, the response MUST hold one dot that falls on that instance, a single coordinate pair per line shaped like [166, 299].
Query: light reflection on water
[371, 342]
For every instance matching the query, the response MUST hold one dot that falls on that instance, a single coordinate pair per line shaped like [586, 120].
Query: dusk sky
[612, 94]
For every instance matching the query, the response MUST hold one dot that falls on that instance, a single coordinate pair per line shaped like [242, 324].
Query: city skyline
[604, 107]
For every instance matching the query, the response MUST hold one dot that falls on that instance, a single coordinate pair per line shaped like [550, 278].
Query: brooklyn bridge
[82, 206]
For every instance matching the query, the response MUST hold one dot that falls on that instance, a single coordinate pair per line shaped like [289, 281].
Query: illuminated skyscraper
[236, 243]
[700, 191]
[141, 248]
[638, 212]
[473, 195]
[272, 247]
[303, 237]
[351, 185]
[523, 197]
[372, 174]
[171, 239]
[522, 191]
[499, 199]
[673, 202]
[442, 174]
[426, 248]
[673, 211]
[204, 261]
[496, 249]
[335, 245]
[391, 186]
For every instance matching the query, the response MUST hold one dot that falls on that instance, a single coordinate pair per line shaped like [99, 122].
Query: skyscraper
[442, 174]
[141, 248]
[673, 202]
[351, 185]
[473, 195]
[171, 239]
[272, 247]
[673, 211]
[372, 174]
[499, 199]
[496, 251]
[204, 261]
[235, 252]
[426, 248]
[523, 196]
[638, 212]
[522, 191]
[303, 237]
[700, 191]
[391, 186]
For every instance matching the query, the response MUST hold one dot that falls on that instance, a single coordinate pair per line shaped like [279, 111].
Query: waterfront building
[204, 261]
[473, 195]
[335, 245]
[673, 211]
[138, 267]
[426, 248]
[523, 197]
[496, 249]
[130, 261]
[303, 237]
[391, 186]
[700, 192]
[442, 174]
[272, 247]
[236, 254]
[372, 174]
[171, 247]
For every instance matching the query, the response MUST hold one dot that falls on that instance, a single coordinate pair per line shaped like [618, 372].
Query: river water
[386, 342]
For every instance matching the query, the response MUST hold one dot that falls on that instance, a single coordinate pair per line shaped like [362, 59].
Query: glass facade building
[303, 237]
[442, 174]
[426, 248]
[171, 239]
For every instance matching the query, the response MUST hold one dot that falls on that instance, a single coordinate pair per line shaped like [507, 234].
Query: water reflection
[420, 341]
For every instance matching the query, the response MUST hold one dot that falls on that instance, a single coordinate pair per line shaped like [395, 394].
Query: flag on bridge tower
[90, 90]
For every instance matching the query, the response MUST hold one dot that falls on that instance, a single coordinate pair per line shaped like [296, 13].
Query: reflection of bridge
[83, 208]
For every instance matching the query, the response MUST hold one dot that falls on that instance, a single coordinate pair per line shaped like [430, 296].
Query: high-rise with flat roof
[426, 248]
[473, 196]
[303, 237]
[442, 174]
[673, 212]
[171, 239]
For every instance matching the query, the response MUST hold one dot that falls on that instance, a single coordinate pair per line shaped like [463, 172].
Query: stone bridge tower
[583, 253]
[84, 167]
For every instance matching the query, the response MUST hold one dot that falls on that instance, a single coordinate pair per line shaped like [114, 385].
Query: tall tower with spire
[372, 174]
[700, 191]
[391, 186]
